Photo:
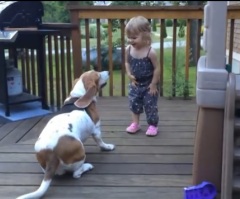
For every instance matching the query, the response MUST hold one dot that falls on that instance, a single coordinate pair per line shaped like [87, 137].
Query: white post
[211, 73]
[215, 20]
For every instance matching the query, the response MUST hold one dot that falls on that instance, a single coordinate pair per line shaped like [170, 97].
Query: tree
[126, 3]
[193, 30]
[55, 11]
[193, 34]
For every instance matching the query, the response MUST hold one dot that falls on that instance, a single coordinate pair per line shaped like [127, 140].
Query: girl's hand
[133, 80]
[153, 89]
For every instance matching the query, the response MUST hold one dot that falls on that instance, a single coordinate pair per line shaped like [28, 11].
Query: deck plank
[20, 130]
[108, 168]
[140, 167]
[6, 129]
[93, 192]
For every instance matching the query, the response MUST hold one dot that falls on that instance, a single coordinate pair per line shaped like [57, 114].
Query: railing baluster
[23, 67]
[57, 72]
[33, 73]
[123, 72]
[162, 55]
[199, 28]
[174, 44]
[187, 56]
[110, 49]
[28, 70]
[49, 69]
[99, 62]
[87, 40]
[69, 65]
[230, 56]
[63, 70]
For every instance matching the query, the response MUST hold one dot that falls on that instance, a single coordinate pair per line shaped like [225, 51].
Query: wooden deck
[140, 167]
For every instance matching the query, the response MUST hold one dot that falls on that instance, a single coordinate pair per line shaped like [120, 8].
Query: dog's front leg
[98, 139]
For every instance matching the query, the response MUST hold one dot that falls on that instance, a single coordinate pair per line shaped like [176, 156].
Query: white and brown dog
[59, 148]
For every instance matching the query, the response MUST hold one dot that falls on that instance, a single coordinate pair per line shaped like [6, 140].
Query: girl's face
[135, 40]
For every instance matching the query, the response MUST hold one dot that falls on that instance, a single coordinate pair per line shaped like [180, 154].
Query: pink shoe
[133, 128]
[152, 131]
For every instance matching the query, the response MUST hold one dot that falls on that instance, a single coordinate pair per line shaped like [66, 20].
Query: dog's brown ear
[90, 83]
[85, 100]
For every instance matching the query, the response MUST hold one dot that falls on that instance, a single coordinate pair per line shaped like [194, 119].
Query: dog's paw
[87, 167]
[108, 147]
[77, 175]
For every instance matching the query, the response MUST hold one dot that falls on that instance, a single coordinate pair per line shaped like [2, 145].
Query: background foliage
[55, 11]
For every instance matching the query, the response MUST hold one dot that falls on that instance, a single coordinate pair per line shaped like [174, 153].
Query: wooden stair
[230, 188]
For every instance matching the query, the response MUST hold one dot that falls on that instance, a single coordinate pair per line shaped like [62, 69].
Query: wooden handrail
[163, 13]
[125, 12]
[160, 12]
[59, 26]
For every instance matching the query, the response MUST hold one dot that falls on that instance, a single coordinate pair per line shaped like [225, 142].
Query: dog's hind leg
[60, 171]
[98, 139]
[51, 163]
[43, 170]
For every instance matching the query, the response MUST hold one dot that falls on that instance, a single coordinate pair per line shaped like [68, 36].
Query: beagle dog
[59, 148]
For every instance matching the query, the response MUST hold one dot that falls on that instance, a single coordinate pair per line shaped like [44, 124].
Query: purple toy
[205, 190]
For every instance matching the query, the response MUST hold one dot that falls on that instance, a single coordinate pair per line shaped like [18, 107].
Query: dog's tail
[51, 167]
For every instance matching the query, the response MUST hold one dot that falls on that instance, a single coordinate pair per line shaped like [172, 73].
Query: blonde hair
[139, 24]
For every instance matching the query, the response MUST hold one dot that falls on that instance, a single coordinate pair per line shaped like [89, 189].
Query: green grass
[167, 76]
[117, 34]
[167, 71]
[117, 82]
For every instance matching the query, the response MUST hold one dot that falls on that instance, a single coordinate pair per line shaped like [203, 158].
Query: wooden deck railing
[122, 13]
[58, 63]
[64, 60]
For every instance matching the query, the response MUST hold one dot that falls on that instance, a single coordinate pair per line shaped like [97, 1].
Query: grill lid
[19, 14]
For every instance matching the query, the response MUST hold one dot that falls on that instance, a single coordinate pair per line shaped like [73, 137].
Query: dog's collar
[69, 106]
[71, 102]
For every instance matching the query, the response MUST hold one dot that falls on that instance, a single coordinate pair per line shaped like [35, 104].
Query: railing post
[76, 45]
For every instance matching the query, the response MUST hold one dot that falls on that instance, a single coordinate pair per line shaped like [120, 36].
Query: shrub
[83, 36]
[93, 31]
[104, 25]
[182, 87]
[164, 31]
[168, 22]
[181, 22]
[154, 25]
[116, 58]
[115, 25]
[181, 31]
[202, 30]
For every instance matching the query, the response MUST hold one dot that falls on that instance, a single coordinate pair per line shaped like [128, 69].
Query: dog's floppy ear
[90, 84]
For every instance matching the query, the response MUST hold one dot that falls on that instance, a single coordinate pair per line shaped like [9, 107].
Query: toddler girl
[143, 70]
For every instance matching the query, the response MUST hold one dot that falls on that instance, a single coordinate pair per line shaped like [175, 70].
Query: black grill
[25, 19]
[20, 14]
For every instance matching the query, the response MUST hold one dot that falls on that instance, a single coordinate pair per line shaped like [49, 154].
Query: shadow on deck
[140, 167]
